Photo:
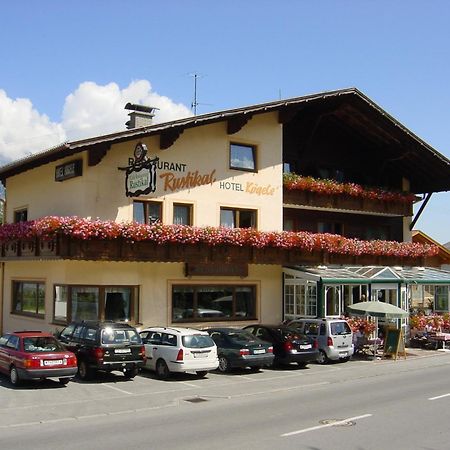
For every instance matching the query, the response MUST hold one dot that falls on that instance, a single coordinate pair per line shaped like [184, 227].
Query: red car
[30, 355]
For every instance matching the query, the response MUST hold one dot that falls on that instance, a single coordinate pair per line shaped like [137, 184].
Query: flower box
[345, 202]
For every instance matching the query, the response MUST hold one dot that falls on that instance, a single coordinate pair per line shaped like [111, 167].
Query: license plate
[305, 347]
[53, 362]
[343, 354]
[122, 350]
[258, 351]
[200, 355]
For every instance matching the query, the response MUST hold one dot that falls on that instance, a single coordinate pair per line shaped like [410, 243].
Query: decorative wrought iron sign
[69, 170]
[140, 173]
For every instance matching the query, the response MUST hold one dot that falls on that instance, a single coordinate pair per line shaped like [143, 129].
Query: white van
[334, 336]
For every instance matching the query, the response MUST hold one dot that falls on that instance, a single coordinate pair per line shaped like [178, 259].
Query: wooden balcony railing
[64, 247]
[346, 202]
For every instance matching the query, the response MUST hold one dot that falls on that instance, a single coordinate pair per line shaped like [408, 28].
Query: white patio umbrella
[377, 309]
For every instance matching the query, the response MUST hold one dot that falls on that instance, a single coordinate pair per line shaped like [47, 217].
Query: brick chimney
[141, 116]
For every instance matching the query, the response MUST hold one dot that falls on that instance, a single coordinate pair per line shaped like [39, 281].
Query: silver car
[334, 336]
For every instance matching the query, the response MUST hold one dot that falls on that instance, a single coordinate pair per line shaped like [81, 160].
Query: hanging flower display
[433, 322]
[47, 228]
[365, 326]
[293, 181]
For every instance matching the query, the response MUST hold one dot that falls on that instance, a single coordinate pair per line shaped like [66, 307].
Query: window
[116, 303]
[147, 212]
[243, 157]
[330, 227]
[441, 298]
[210, 302]
[21, 215]
[237, 218]
[300, 298]
[182, 214]
[28, 298]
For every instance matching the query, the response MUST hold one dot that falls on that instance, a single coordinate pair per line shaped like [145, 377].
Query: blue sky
[68, 66]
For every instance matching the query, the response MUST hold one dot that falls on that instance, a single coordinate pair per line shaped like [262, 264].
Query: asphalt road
[361, 405]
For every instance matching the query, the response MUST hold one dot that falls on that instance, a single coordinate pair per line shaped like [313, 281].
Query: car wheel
[162, 371]
[14, 376]
[322, 358]
[131, 373]
[64, 381]
[201, 373]
[84, 371]
[224, 364]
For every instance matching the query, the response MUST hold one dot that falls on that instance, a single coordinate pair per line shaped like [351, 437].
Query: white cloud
[23, 130]
[94, 110]
[90, 110]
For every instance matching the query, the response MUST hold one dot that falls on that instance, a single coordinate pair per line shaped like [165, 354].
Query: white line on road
[117, 389]
[327, 425]
[439, 396]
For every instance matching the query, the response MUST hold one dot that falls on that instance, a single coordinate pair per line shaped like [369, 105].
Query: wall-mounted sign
[140, 173]
[217, 269]
[69, 170]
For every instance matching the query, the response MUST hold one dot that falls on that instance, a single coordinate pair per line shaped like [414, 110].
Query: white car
[176, 349]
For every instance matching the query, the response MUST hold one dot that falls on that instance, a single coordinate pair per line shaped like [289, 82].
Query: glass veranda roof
[373, 274]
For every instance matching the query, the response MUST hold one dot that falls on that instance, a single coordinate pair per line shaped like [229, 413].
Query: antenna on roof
[195, 103]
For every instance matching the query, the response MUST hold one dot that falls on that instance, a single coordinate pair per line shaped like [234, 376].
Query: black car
[104, 346]
[239, 348]
[289, 346]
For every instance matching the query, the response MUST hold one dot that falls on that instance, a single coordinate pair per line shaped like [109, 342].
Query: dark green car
[238, 348]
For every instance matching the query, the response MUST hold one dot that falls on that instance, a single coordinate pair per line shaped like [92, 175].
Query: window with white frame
[300, 298]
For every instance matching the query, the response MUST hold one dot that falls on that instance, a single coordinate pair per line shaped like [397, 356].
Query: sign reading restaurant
[142, 176]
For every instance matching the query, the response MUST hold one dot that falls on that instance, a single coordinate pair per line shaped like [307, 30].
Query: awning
[371, 274]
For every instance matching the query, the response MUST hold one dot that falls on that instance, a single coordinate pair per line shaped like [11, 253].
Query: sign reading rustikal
[140, 173]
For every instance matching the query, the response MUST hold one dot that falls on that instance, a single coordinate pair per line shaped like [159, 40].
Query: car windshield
[120, 336]
[340, 328]
[41, 344]
[241, 336]
[291, 334]
[197, 341]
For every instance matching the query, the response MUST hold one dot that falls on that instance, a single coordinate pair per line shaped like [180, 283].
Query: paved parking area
[112, 394]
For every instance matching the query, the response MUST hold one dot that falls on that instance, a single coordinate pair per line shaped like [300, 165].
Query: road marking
[189, 384]
[117, 389]
[439, 396]
[283, 389]
[327, 425]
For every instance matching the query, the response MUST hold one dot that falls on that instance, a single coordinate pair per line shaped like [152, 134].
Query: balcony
[64, 247]
[310, 192]
[346, 202]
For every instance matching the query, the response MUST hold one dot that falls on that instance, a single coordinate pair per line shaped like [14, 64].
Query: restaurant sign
[140, 173]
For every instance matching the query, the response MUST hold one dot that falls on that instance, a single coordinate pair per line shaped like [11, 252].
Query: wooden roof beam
[235, 124]
[168, 137]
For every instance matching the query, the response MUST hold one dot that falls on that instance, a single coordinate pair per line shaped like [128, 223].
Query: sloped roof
[428, 170]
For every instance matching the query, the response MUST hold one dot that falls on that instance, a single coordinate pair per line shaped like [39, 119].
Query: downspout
[422, 207]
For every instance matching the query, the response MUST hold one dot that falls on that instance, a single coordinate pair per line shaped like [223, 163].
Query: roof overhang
[416, 158]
